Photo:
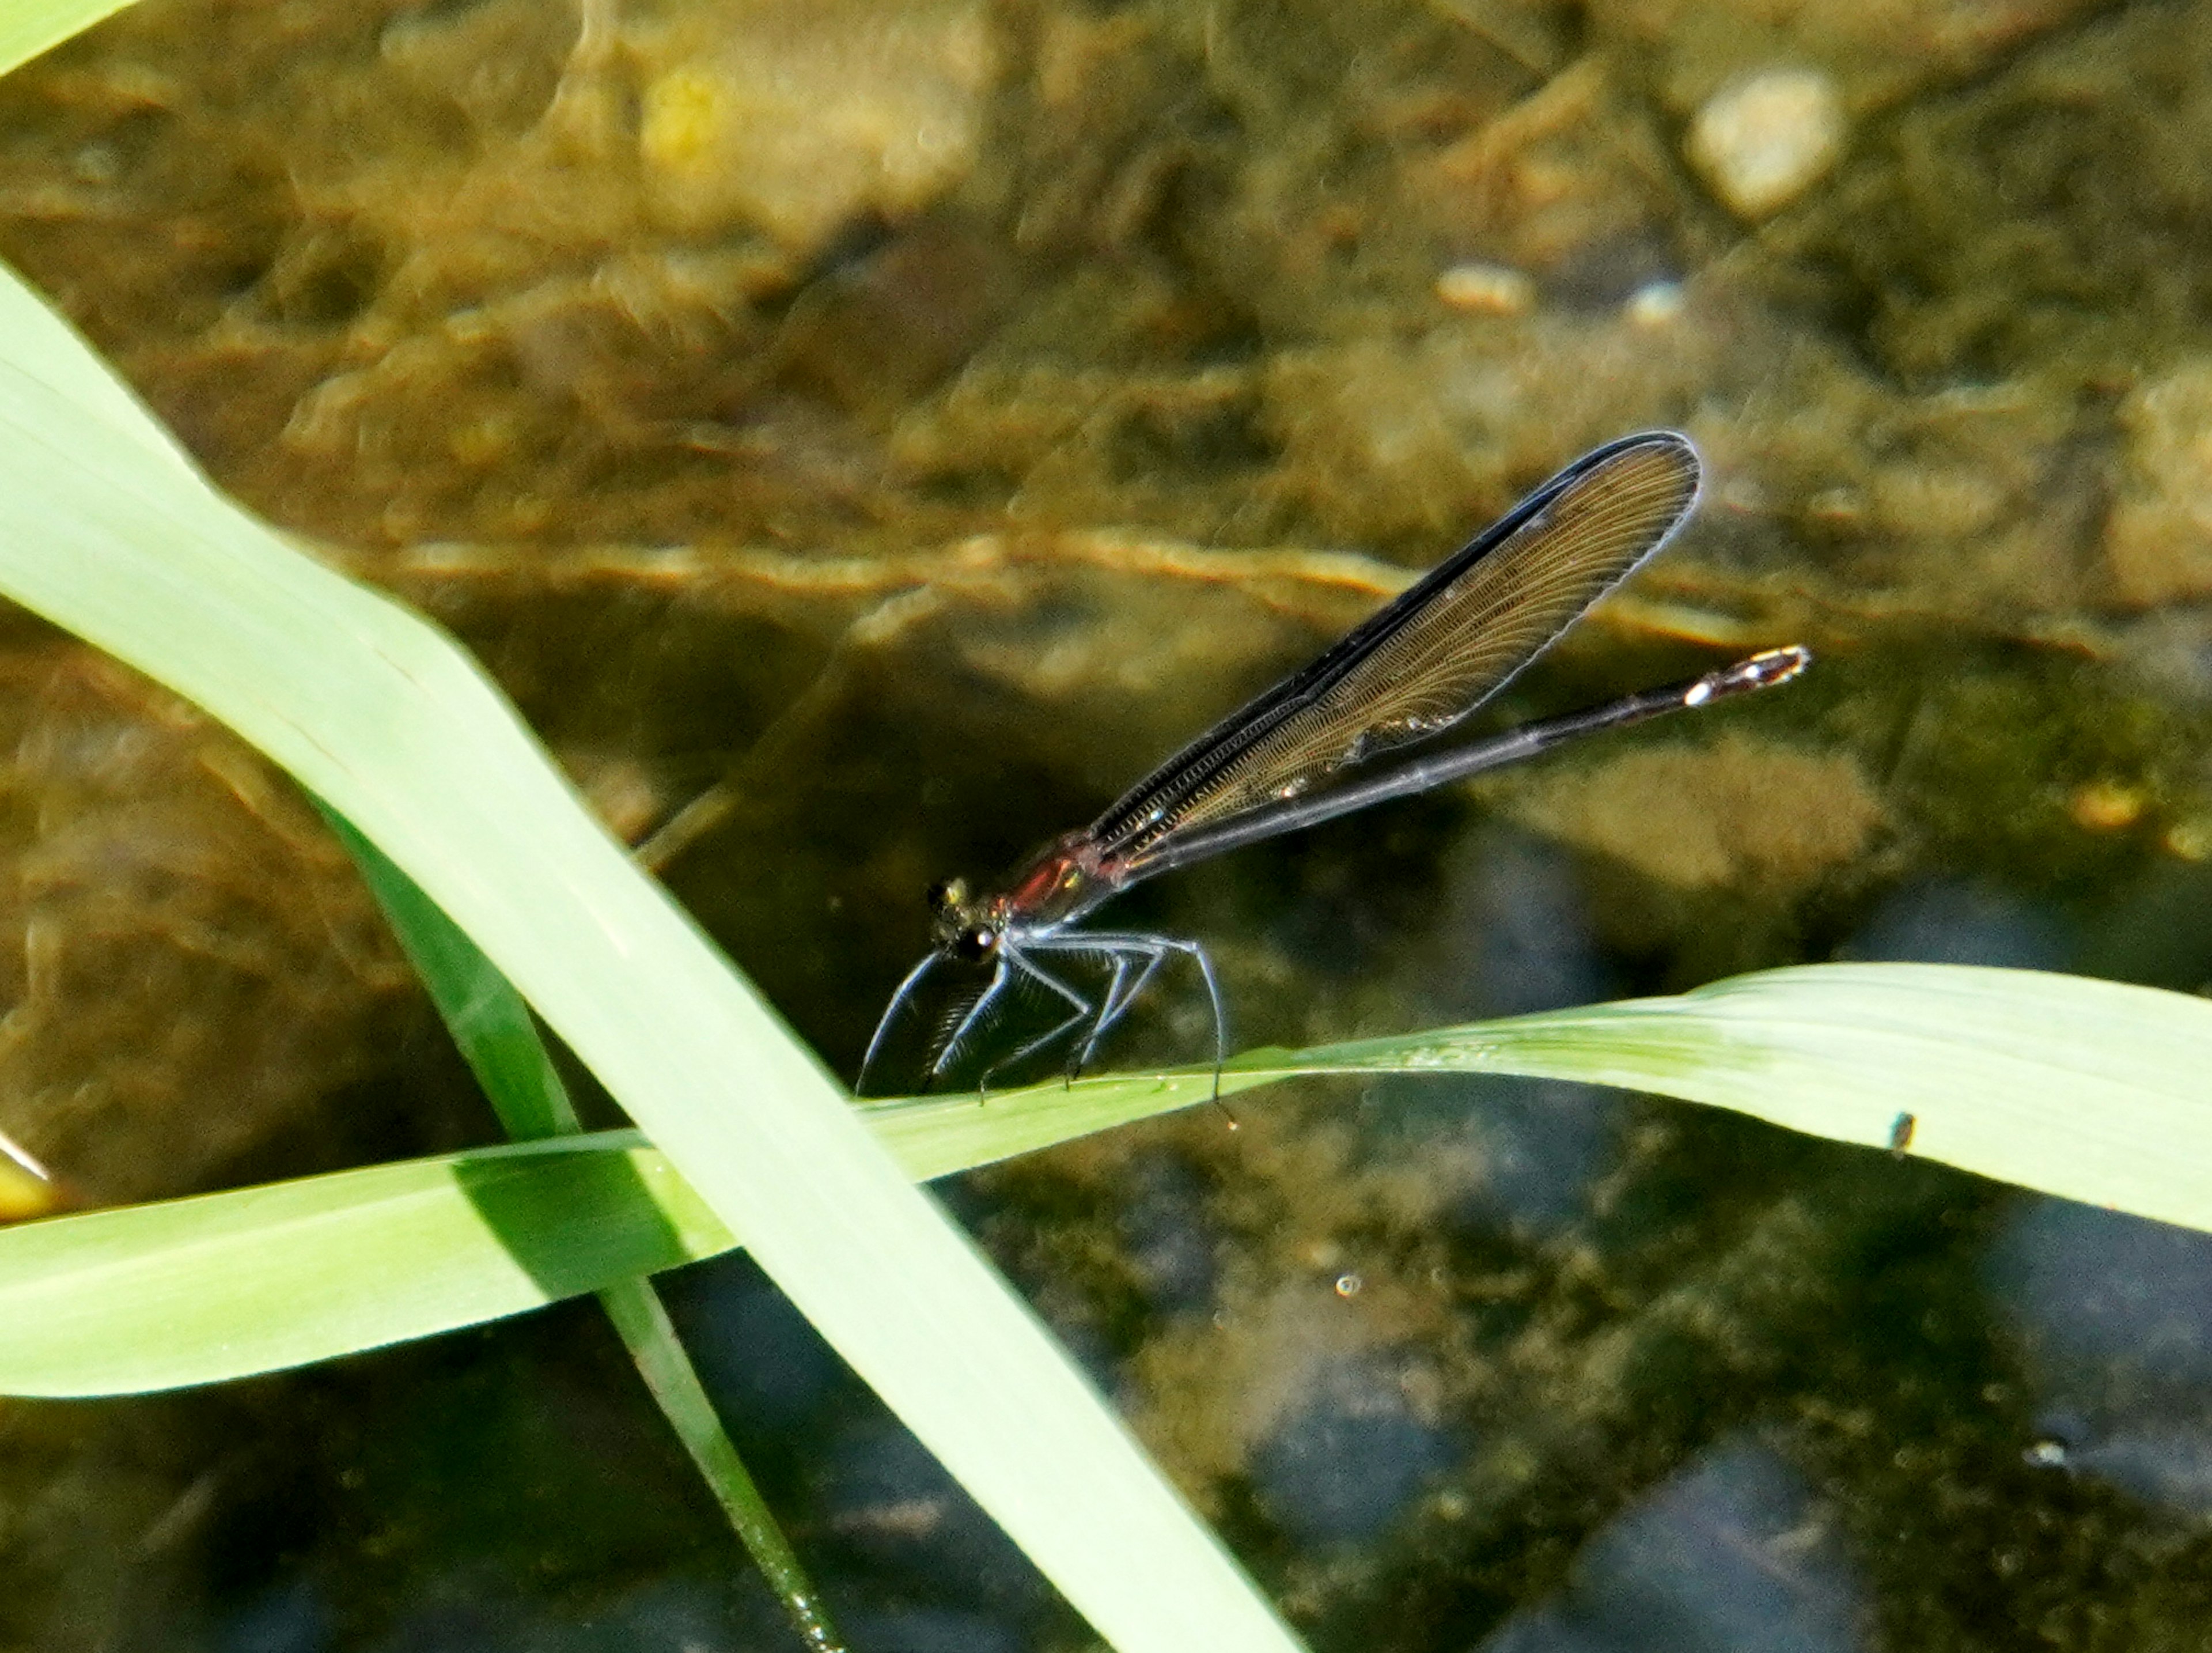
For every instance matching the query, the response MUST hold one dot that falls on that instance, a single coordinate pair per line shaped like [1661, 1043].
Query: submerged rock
[2158, 541]
[1762, 142]
[802, 120]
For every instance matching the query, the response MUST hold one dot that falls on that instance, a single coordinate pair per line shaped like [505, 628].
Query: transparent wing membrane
[1430, 657]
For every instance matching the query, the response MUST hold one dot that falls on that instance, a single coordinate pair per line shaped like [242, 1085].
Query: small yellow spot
[2189, 841]
[484, 441]
[23, 1192]
[686, 113]
[2106, 806]
[1489, 289]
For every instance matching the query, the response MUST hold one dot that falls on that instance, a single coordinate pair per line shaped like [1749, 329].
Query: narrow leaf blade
[2087, 1090]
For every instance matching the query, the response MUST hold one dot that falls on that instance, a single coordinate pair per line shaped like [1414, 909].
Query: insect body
[1299, 753]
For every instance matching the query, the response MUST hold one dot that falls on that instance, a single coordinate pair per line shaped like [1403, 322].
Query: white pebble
[1761, 141]
[1656, 304]
[1490, 289]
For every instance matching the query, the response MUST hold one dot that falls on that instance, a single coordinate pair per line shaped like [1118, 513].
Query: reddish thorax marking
[1068, 877]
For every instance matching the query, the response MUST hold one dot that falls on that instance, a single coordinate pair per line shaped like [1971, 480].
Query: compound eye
[975, 942]
[947, 894]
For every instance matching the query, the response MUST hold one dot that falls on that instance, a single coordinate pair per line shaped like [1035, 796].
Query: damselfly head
[974, 943]
[964, 928]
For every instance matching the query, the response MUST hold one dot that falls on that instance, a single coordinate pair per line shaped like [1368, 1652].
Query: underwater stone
[1761, 141]
[805, 119]
[1737, 813]
[2158, 540]
[1486, 290]
[1735, 1551]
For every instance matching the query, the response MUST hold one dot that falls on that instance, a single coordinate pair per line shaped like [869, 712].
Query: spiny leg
[1205, 962]
[1111, 1002]
[906, 990]
[1139, 942]
[1111, 1012]
[1082, 1008]
[1111, 1006]
[1121, 946]
[951, 1048]
[1117, 950]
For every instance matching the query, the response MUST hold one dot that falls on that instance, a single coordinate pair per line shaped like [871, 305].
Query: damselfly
[1408, 673]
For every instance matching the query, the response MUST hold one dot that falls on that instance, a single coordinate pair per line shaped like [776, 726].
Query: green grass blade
[490, 1025]
[642, 1320]
[493, 1028]
[2087, 1090]
[378, 713]
[29, 27]
[2094, 1091]
[219, 1285]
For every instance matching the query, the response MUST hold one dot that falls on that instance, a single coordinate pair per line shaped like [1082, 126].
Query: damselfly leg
[1132, 958]
[1121, 993]
[1084, 1010]
[952, 1043]
[1123, 946]
[893, 1012]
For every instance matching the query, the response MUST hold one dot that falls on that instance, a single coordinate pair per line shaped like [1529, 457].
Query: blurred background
[863, 438]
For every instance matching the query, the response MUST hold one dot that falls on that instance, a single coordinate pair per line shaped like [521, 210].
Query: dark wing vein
[1431, 657]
